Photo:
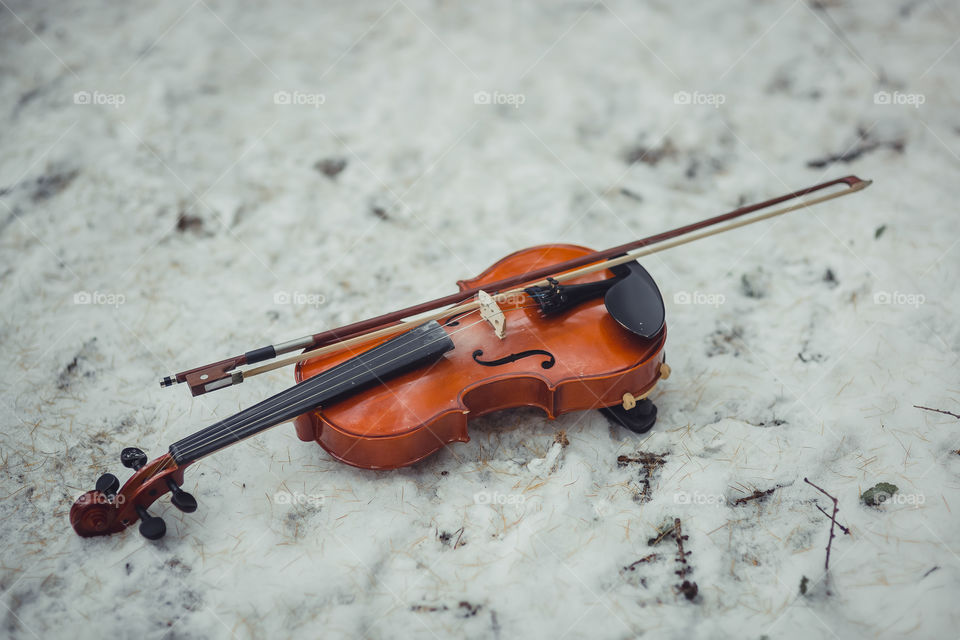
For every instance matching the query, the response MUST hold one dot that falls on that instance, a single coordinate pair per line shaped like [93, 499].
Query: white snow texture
[181, 181]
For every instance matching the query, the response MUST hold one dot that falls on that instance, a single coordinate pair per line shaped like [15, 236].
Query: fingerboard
[415, 348]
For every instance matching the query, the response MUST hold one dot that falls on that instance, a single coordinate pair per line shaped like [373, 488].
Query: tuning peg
[133, 458]
[151, 527]
[180, 498]
[108, 485]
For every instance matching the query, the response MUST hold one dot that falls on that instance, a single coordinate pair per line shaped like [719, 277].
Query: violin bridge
[491, 312]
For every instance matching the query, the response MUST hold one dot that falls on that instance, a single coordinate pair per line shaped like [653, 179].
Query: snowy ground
[151, 168]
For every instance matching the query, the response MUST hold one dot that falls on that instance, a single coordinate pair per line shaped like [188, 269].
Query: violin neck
[410, 350]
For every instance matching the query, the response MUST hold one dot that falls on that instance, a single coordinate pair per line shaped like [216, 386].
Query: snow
[159, 160]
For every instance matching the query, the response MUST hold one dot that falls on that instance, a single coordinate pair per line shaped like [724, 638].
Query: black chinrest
[634, 301]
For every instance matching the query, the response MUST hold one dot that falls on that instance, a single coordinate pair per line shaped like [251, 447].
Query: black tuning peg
[108, 485]
[180, 498]
[133, 458]
[151, 527]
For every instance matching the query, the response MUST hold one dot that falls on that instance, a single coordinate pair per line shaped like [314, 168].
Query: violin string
[292, 395]
[310, 388]
[228, 424]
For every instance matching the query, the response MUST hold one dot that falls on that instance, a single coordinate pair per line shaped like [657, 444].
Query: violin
[558, 327]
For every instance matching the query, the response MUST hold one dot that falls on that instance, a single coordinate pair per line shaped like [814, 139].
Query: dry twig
[633, 565]
[842, 528]
[753, 496]
[651, 463]
[687, 588]
[948, 413]
[833, 521]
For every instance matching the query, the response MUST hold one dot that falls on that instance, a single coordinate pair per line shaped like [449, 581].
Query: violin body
[572, 361]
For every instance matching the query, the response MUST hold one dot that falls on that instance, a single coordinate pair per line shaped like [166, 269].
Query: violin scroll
[110, 508]
[93, 514]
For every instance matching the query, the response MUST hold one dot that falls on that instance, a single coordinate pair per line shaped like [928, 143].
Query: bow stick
[218, 375]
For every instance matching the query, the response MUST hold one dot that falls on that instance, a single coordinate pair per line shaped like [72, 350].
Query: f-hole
[513, 357]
